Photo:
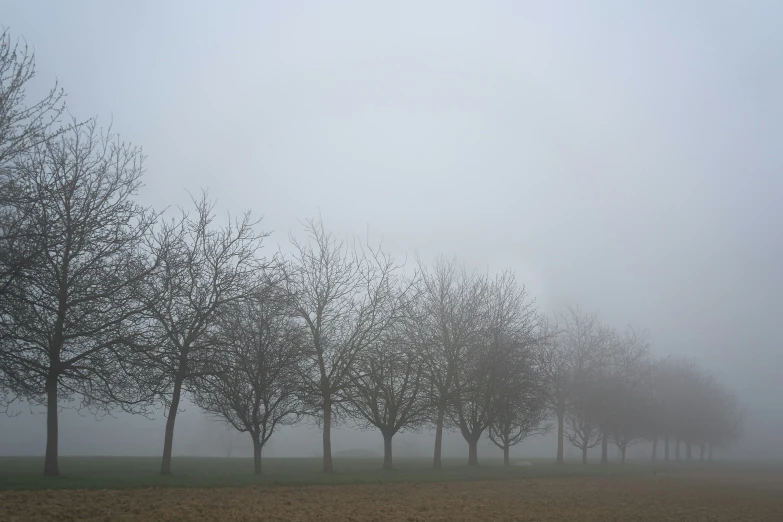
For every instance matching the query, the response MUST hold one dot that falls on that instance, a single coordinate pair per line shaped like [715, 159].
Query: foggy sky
[623, 156]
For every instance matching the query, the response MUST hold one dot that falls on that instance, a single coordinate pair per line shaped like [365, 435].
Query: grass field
[124, 489]
[141, 472]
[542, 492]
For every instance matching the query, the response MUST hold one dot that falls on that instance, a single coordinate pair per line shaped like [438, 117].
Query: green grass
[142, 472]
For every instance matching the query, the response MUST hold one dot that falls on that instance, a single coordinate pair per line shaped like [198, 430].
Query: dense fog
[625, 159]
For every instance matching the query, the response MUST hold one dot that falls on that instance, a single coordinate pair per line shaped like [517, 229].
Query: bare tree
[668, 378]
[255, 390]
[707, 413]
[582, 428]
[504, 320]
[629, 381]
[521, 408]
[450, 319]
[588, 345]
[554, 366]
[69, 312]
[571, 352]
[685, 387]
[387, 393]
[726, 419]
[472, 397]
[24, 125]
[654, 415]
[345, 297]
[204, 270]
[690, 405]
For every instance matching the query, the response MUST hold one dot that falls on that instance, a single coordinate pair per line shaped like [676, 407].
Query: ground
[636, 493]
[135, 472]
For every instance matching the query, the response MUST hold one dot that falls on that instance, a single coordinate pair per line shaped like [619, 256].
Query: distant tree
[520, 407]
[688, 386]
[582, 429]
[572, 354]
[259, 358]
[506, 324]
[654, 413]
[554, 366]
[205, 269]
[472, 397]
[345, 297]
[228, 441]
[726, 419]
[589, 345]
[388, 388]
[629, 380]
[69, 312]
[451, 315]
[716, 415]
[691, 406]
[669, 376]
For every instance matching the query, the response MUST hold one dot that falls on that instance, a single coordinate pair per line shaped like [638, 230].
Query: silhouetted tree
[345, 297]
[554, 365]
[69, 312]
[726, 420]
[259, 358]
[582, 429]
[717, 415]
[629, 381]
[667, 378]
[451, 314]
[588, 344]
[205, 269]
[692, 407]
[506, 323]
[24, 125]
[572, 356]
[387, 391]
[520, 407]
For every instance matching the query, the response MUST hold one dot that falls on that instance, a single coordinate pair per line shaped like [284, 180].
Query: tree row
[106, 303]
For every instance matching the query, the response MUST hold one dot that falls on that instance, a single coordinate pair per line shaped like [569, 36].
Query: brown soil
[661, 498]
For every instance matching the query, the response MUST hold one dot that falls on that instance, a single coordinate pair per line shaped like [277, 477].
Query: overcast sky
[623, 156]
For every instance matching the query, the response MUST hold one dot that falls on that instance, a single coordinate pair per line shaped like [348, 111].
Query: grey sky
[625, 156]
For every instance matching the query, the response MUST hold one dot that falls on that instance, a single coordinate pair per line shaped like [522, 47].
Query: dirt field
[711, 497]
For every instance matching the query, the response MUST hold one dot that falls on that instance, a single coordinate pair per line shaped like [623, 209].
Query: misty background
[622, 156]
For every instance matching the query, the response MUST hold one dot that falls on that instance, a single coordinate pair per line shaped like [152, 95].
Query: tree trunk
[387, 450]
[622, 455]
[701, 451]
[655, 449]
[256, 457]
[666, 449]
[506, 459]
[584, 454]
[473, 452]
[604, 448]
[327, 438]
[168, 442]
[51, 464]
[677, 450]
[436, 462]
[560, 421]
[688, 451]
